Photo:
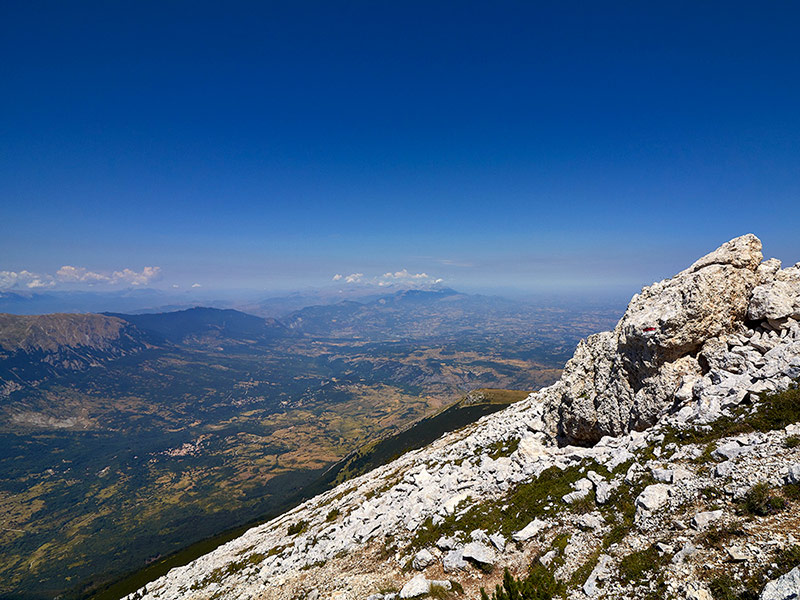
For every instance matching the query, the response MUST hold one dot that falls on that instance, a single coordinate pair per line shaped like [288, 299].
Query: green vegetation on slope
[368, 457]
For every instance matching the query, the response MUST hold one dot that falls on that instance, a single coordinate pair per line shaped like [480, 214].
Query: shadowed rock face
[625, 378]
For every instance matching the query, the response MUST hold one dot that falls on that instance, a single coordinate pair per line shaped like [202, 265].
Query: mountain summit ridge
[593, 478]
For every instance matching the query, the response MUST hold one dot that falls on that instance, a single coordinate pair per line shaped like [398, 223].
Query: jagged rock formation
[651, 439]
[624, 379]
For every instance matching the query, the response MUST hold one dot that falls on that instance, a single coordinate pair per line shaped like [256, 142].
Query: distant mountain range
[33, 348]
[411, 314]
[202, 323]
[148, 300]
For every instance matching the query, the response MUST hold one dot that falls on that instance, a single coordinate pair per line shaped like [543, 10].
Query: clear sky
[273, 145]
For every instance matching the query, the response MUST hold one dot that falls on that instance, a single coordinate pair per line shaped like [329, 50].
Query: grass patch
[787, 559]
[507, 514]
[502, 448]
[584, 505]
[793, 441]
[791, 491]
[581, 574]
[636, 566]
[711, 494]
[620, 511]
[440, 592]
[725, 587]
[774, 411]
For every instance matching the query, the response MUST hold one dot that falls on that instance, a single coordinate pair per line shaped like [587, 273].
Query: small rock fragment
[423, 559]
[702, 520]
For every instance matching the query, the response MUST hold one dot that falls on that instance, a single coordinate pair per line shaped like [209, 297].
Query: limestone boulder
[775, 300]
[624, 379]
[786, 587]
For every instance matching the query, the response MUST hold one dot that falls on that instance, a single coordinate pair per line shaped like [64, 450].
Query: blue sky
[266, 145]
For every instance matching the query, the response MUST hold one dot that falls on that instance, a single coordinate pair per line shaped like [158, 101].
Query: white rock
[590, 521]
[793, 476]
[738, 555]
[702, 520]
[699, 593]
[786, 587]
[548, 557]
[446, 543]
[599, 572]
[662, 475]
[729, 450]
[530, 530]
[604, 490]
[479, 552]
[452, 503]
[688, 550]
[418, 586]
[724, 469]
[573, 497]
[653, 497]
[454, 561]
[498, 541]
[479, 535]
[775, 300]
[422, 560]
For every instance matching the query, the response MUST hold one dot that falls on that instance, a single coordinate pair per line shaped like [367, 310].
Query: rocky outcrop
[624, 379]
[688, 352]
[786, 587]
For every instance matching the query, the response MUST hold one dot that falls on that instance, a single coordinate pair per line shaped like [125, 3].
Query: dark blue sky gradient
[271, 145]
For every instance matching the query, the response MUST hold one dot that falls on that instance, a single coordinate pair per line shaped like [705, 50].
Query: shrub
[761, 502]
[539, 584]
[792, 491]
[332, 516]
[718, 537]
[439, 592]
[297, 528]
[793, 441]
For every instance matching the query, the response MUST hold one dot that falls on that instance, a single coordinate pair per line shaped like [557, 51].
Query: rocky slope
[664, 464]
[33, 348]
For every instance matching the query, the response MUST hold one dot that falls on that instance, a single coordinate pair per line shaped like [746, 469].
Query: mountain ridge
[685, 412]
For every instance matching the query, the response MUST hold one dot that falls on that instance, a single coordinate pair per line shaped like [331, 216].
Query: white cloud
[354, 278]
[26, 279]
[196, 285]
[70, 275]
[147, 275]
[404, 275]
[403, 278]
